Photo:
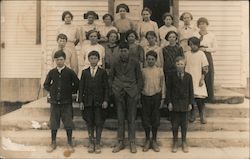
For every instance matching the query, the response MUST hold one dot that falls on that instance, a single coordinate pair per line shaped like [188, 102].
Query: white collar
[59, 69]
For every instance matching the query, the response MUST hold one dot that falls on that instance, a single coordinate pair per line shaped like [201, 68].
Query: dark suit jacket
[93, 91]
[180, 91]
[61, 85]
[126, 77]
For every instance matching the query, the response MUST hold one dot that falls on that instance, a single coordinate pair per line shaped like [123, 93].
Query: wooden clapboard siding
[21, 57]
[225, 22]
[52, 13]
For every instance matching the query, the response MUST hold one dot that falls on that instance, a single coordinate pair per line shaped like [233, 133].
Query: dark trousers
[62, 112]
[209, 78]
[126, 108]
[179, 119]
[95, 118]
[150, 110]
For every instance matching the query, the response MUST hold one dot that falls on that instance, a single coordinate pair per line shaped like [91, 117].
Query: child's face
[168, 21]
[146, 15]
[172, 38]
[61, 42]
[93, 38]
[60, 61]
[112, 38]
[202, 26]
[194, 48]
[67, 19]
[151, 39]
[187, 19]
[93, 60]
[180, 65]
[124, 53]
[107, 21]
[131, 38]
[122, 12]
[151, 60]
[91, 19]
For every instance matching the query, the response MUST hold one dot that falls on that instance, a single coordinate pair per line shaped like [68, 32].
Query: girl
[107, 19]
[197, 66]
[187, 30]
[208, 46]
[135, 51]
[91, 16]
[123, 24]
[152, 45]
[146, 25]
[93, 36]
[70, 30]
[111, 49]
[168, 21]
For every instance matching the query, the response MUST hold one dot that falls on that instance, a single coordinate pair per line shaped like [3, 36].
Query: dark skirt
[209, 78]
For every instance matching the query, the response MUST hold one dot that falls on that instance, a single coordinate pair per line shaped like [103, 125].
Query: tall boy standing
[126, 81]
[93, 97]
[61, 82]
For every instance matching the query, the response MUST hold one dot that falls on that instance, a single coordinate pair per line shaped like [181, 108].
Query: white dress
[84, 29]
[186, 32]
[209, 41]
[163, 32]
[195, 62]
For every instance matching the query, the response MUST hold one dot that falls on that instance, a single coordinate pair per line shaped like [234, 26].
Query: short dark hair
[122, 5]
[108, 15]
[113, 32]
[93, 31]
[65, 13]
[167, 15]
[152, 33]
[60, 53]
[94, 53]
[180, 58]
[123, 45]
[151, 53]
[62, 36]
[202, 19]
[194, 40]
[85, 15]
[182, 15]
[131, 32]
[146, 9]
[171, 32]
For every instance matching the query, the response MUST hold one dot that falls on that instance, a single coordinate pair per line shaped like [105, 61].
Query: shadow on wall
[7, 107]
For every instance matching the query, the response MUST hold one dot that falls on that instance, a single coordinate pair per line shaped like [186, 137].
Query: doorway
[158, 8]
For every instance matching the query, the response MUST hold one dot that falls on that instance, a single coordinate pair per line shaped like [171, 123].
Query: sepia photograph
[124, 79]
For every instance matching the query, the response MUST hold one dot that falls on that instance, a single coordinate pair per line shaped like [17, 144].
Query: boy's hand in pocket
[81, 105]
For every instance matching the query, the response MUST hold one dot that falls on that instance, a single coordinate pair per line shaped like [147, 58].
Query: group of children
[124, 66]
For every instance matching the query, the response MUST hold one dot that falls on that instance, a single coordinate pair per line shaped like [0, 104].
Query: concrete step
[222, 95]
[195, 139]
[41, 107]
[81, 153]
[23, 122]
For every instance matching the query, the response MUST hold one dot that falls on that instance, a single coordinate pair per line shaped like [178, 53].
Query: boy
[71, 61]
[180, 96]
[126, 81]
[93, 97]
[153, 96]
[61, 82]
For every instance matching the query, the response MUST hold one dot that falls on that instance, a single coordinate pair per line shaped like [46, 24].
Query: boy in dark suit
[61, 82]
[127, 83]
[93, 98]
[180, 96]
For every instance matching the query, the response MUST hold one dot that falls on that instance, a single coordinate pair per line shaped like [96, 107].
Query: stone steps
[41, 107]
[216, 139]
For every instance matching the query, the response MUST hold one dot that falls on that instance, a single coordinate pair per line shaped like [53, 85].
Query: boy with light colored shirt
[153, 95]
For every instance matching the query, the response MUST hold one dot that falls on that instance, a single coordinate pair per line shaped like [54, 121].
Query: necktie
[93, 72]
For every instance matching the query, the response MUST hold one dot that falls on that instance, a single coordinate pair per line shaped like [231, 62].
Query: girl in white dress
[197, 66]
[108, 26]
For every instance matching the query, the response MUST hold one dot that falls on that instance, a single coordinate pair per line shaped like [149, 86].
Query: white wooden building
[28, 35]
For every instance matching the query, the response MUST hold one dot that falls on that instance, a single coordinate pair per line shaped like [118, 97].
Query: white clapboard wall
[226, 20]
[52, 19]
[20, 57]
